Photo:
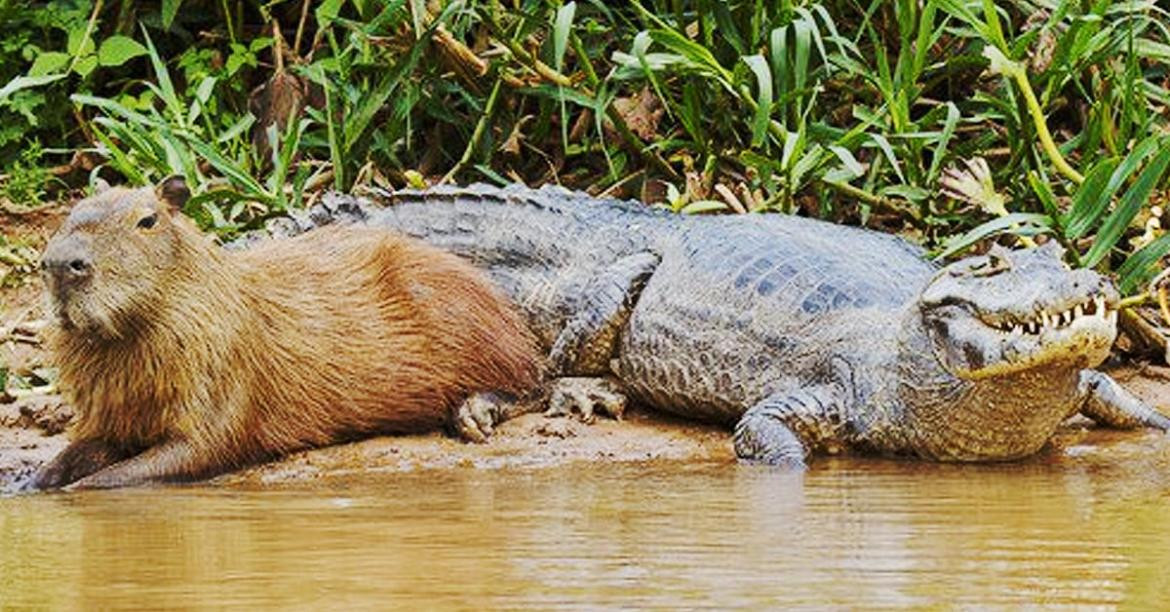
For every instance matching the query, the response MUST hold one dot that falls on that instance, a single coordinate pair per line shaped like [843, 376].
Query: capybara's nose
[66, 263]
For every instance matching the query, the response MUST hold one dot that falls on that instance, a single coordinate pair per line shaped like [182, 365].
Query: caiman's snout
[66, 263]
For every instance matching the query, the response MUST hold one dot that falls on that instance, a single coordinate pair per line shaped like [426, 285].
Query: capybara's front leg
[171, 461]
[80, 459]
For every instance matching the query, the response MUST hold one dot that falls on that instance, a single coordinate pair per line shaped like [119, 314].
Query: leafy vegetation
[955, 122]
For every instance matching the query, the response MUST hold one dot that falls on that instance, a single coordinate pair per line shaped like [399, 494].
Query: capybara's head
[113, 257]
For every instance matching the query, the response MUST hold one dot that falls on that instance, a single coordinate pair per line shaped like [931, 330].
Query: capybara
[185, 360]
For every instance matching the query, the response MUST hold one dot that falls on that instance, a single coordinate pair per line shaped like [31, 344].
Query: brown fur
[226, 358]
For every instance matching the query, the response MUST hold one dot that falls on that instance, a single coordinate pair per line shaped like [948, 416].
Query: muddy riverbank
[32, 431]
[32, 423]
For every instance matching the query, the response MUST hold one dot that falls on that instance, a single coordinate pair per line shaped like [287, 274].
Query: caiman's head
[1010, 311]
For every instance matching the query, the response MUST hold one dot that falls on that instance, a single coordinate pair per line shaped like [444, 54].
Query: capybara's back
[365, 319]
[184, 360]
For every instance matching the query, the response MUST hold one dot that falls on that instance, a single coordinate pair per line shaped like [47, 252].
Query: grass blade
[1137, 195]
[1021, 223]
[763, 114]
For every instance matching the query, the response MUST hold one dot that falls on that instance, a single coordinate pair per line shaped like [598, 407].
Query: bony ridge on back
[805, 335]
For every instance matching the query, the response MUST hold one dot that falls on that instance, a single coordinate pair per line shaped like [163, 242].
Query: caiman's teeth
[1044, 320]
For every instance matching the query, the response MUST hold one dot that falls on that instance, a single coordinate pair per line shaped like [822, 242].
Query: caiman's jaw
[1096, 309]
[1009, 312]
[1080, 335]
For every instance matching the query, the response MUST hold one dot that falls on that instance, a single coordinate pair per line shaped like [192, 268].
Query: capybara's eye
[148, 221]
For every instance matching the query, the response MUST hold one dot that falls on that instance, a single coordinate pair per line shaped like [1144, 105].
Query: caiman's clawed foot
[585, 396]
[762, 439]
[475, 419]
[1104, 401]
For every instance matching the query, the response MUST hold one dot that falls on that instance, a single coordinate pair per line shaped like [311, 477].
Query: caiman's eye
[148, 221]
[988, 265]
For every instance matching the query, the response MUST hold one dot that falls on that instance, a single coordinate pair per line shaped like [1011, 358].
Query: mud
[31, 433]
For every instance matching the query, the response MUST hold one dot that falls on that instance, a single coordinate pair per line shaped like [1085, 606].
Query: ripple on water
[848, 533]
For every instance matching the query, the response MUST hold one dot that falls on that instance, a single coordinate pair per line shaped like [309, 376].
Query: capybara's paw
[50, 476]
[474, 419]
[585, 396]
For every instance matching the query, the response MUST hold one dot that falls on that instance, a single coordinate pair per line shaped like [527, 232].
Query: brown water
[848, 533]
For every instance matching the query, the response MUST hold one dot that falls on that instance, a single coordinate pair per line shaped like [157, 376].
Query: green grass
[953, 122]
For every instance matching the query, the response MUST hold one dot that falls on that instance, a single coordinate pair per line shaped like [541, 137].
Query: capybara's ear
[174, 192]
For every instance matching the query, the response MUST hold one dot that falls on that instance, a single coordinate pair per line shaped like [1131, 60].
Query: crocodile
[803, 336]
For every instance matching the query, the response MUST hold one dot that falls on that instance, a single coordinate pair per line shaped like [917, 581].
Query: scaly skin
[804, 334]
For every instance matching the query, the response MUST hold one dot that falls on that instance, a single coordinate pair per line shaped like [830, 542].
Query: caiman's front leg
[1105, 401]
[784, 428]
[583, 349]
[588, 341]
[172, 461]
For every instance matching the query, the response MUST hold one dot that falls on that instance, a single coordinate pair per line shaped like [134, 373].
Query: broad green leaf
[642, 42]
[80, 42]
[114, 108]
[779, 50]
[1021, 223]
[206, 87]
[851, 164]
[763, 114]
[888, 151]
[236, 129]
[1094, 195]
[231, 170]
[1133, 200]
[121, 160]
[944, 140]
[418, 13]
[25, 82]
[170, 8]
[327, 12]
[808, 18]
[48, 62]
[1044, 194]
[165, 87]
[85, 65]
[802, 38]
[1091, 199]
[561, 30]
[696, 54]
[1141, 266]
[117, 50]
[148, 152]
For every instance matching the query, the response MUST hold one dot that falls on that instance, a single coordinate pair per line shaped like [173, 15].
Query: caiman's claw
[585, 396]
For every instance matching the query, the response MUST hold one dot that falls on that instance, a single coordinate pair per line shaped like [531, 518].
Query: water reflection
[848, 533]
